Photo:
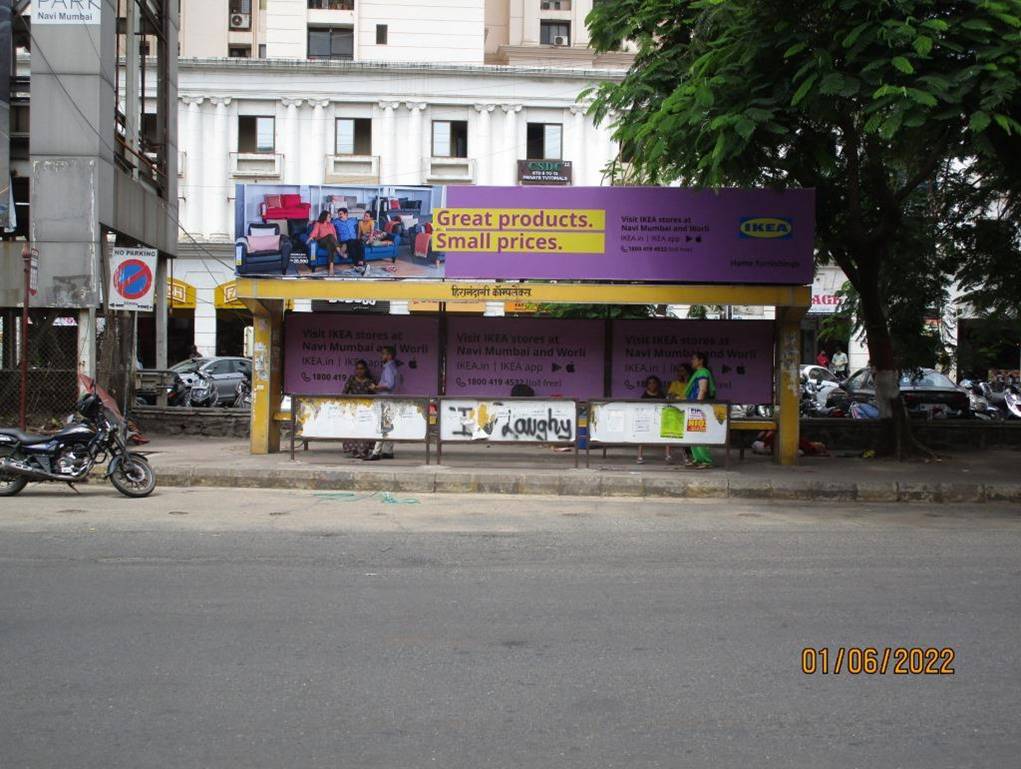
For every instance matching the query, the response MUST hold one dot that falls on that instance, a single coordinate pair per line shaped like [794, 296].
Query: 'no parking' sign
[132, 279]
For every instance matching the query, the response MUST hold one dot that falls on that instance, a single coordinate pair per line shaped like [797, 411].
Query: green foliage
[880, 107]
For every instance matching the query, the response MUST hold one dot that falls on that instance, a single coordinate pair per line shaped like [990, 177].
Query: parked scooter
[202, 391]
[1002, 392]
[70, 455]
[980, 406]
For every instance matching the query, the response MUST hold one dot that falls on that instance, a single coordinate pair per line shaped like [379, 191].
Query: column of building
[509, 154]
[483, 146]
[292, 141]
[414, 167]
[577, 142]
[387, 152]
[314, 159]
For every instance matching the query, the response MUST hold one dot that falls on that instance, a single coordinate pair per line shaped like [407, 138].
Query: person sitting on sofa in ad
[347, 231]
[366, 226]
[325, 235]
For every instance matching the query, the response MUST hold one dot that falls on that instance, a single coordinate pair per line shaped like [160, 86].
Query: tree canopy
[883, 108]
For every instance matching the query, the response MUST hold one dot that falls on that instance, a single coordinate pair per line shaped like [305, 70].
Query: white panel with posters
[658, 422]
[529, 420]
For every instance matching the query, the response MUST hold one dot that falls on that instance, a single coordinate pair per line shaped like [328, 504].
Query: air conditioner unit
[561, 40]
[240, 21]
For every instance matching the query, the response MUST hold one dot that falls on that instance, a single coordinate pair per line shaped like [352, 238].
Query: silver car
[224, 373]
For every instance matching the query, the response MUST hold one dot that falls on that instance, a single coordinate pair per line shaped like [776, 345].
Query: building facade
[365, 92]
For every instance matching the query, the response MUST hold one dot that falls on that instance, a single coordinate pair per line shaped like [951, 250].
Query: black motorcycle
[70, 455]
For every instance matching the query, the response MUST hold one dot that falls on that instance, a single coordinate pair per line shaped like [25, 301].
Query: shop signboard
[533, 232]
[320, 351]
[658, 422]
[392, 419]
[556, 172]
[489, 356]
[740, 355]
[531, 420]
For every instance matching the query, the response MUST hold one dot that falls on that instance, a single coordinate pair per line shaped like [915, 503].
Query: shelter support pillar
[788, 382]
[267, 373]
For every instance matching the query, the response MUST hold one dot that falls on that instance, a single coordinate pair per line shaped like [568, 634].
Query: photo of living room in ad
[318, 231]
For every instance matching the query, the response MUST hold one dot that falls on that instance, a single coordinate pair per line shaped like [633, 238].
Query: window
[331, 43]
[262, 50]
[240, 6]
[555, 5]
[381, 34]
[450, 139]
[555, 32]
[240, 51]
[331, 5]
[149, 130]
[545, 141]
[218, 367]
[256, 134]
[354, 136]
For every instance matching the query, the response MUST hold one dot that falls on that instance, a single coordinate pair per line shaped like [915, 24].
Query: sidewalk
[966, 477]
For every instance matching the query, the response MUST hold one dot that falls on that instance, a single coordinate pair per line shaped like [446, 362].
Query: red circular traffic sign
[132, 279]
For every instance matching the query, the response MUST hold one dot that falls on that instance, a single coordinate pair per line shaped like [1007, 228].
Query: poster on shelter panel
[645, 234]
[321, 349]
[740, 355]
[496, 357]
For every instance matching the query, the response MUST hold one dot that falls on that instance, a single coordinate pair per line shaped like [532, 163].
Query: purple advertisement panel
[489, 356]
[320, 350]
[740, 355]
[627, 233]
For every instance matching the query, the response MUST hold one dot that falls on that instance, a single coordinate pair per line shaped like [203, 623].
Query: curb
[595, 485]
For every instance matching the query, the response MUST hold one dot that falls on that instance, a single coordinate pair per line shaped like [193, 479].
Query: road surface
[238, 628]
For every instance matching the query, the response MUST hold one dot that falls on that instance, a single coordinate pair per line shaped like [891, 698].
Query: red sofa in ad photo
[284, 207]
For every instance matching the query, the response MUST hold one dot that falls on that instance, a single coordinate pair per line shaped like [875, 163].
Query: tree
[866, 102]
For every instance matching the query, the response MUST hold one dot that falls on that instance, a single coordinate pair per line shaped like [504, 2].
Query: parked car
[926, 393]
[225, 374]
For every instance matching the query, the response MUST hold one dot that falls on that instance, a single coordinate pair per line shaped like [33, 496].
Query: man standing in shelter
[389, 384]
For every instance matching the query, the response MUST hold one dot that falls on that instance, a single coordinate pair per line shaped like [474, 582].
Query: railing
[447, 169]
[256, 164]
[352, 168]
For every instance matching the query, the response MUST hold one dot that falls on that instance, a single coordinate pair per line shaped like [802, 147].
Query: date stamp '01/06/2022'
[871, 660]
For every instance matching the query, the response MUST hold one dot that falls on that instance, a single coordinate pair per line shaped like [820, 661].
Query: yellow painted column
[788, 384]
[267, 373]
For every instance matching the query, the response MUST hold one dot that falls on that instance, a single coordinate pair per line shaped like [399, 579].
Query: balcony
[352, 169]
[331, 5]
[449, 171]
[256, 165]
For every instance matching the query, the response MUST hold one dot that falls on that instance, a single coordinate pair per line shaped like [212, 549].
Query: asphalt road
[209, 628]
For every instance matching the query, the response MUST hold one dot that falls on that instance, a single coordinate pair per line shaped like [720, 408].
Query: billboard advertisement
[740, 355]
[631, 234]
[320, 351]
[489, 356]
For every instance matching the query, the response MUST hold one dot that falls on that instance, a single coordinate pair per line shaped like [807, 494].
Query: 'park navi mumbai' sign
[66, 11]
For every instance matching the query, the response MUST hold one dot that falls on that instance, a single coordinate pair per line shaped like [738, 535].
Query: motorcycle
[202, 391]
[243, 395]
[70, 455]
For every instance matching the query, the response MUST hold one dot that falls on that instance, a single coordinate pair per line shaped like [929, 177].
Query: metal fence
[52, 366]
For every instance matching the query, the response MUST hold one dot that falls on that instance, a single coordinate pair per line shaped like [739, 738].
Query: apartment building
[369, 92]
[512, 32]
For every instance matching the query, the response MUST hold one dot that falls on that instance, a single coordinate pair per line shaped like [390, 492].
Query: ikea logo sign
[769, 227]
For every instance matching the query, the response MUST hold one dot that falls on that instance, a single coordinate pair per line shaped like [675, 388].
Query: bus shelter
[535, 246]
